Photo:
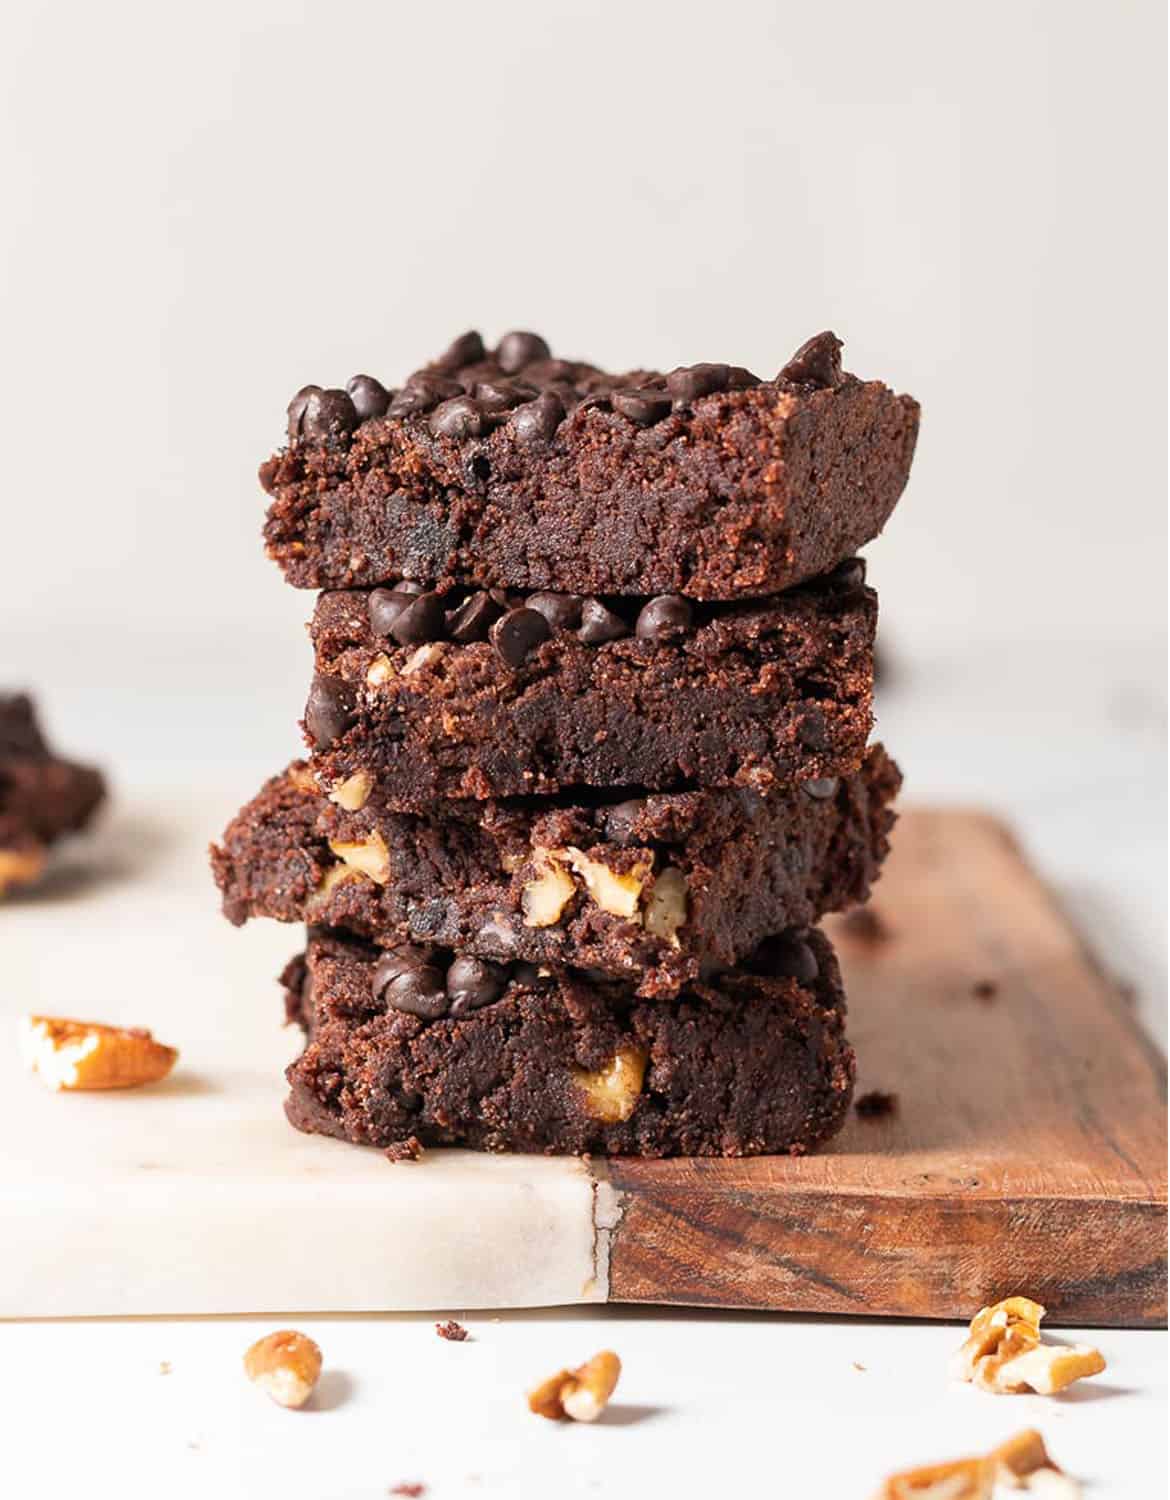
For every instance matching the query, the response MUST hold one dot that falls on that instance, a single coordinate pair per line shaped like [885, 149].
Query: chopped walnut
[545, 897]
[334, 876]
[666, 909]
[1003, 1352]
[612, 1092]
[369, 856]
[285, 1365]
[380, 671]
[581, 1394]
[72, 1055]
[1023, 1463]
[21, 867]
[618, 892]
[353, 793]
[963, 1479]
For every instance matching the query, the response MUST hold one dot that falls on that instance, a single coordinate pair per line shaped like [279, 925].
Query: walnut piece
[546, 895]
[611, 1093]
[1003, 1352]
[70, 1055]
[369, 856]
[353, 793]
[1023, 1463]
[380, 671]
[285, 1365]
[21, 867]
[964, 1479]
[666, 910]
[618, 892]
[423, 657]
[580, 1395]
[334, 876]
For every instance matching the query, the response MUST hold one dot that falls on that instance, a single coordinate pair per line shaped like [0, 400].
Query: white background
[206, 206]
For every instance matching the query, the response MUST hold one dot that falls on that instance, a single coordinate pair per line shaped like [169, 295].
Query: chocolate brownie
[452, 1051]
[466, 695]
[655, 890]
[509, 468]
[42, 797]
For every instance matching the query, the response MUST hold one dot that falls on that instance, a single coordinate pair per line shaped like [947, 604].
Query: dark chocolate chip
[812, 730]
[499, 936]
[553, 370]
[536, 421]
[396, 961]
[327, 414]
[739, 379]
[817, 362]
[519, 349]
[848, 577]
[664, 618]
[369, 396]
[786, 956]
[642, 405]
[602, 400]
[496, 396]
[473, 983]
[473, 619]
[330, 710]
[599, 624]
[458, 418]
[517, 633]
[421, 393]
[422, 620]
[528, 974]
[621, 819]
[385, 605]
[467, 349]
[689, 382]
[408, 586]
[820, 788]
[418, 992]
[562, 611]
[296, 408]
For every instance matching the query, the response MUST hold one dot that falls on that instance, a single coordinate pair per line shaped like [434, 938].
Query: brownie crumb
[408, 1150]
[407, 1489]
[451, 1330]
[876, 1104]
[985, 989]
[864, 924]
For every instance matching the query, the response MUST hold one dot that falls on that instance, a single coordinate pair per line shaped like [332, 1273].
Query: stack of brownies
[587, 749]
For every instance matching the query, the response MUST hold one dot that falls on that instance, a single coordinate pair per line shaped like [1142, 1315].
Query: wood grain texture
[1027, 1153]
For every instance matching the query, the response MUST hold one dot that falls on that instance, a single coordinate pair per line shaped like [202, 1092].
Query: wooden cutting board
[1027, 1151]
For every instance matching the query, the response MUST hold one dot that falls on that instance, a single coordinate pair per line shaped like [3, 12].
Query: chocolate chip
[473, 983]
[739, 379]
[820, 788]
[817, 363]
[467, 349]
[418, 992]
[786, 956]
[330, 710]
[421, 393]
[397, 961]
[601, 400]
[496, 396]
[812, 731]
[384, 606]
[536, 421]
[296, 408]
[369, 396]
[528, 974]
[327, 414]
[847, 577]
[599, 624]
[562, 611]
[621, 820]
[663, 619]
[473, 619]
[518, 633]
[408, 586]
[642, 405]
[457, 418]
[499, 936]
[519, 349]
[689, 382]
[422, 620]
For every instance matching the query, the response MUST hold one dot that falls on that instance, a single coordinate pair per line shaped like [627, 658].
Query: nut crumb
[866, 925]
[611, 1093]
[164, 1367]
[67, 1055]
[1003, 1352]
[1024, 1463]
[408, 1150]
[413, 1489]
[985, 989]
[285, 1365]
[581, 1394]
[452, 1330]
[21, 867]
[876, 1105]
[962, 1479]
[861, 1368]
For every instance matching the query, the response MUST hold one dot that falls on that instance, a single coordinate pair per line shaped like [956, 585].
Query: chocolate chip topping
[739, 379]
[495, 396]
[385, 605]
[422, 393]
[847, 577]
[419, 992]
[518, 633]
[816, 363]
[467, 349]
[664, 618]
[689, 382]
[536, 421]
[599, 624]
[642, 405]
[519, 349]
[326, 414]
[369, 396]
[820, 789]
[562, 611]
[422, 620]
[621, 819]
[786, 956]
[473, 983]
[458, 418]
[296, 408]
[473, 619]
[330, 710]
